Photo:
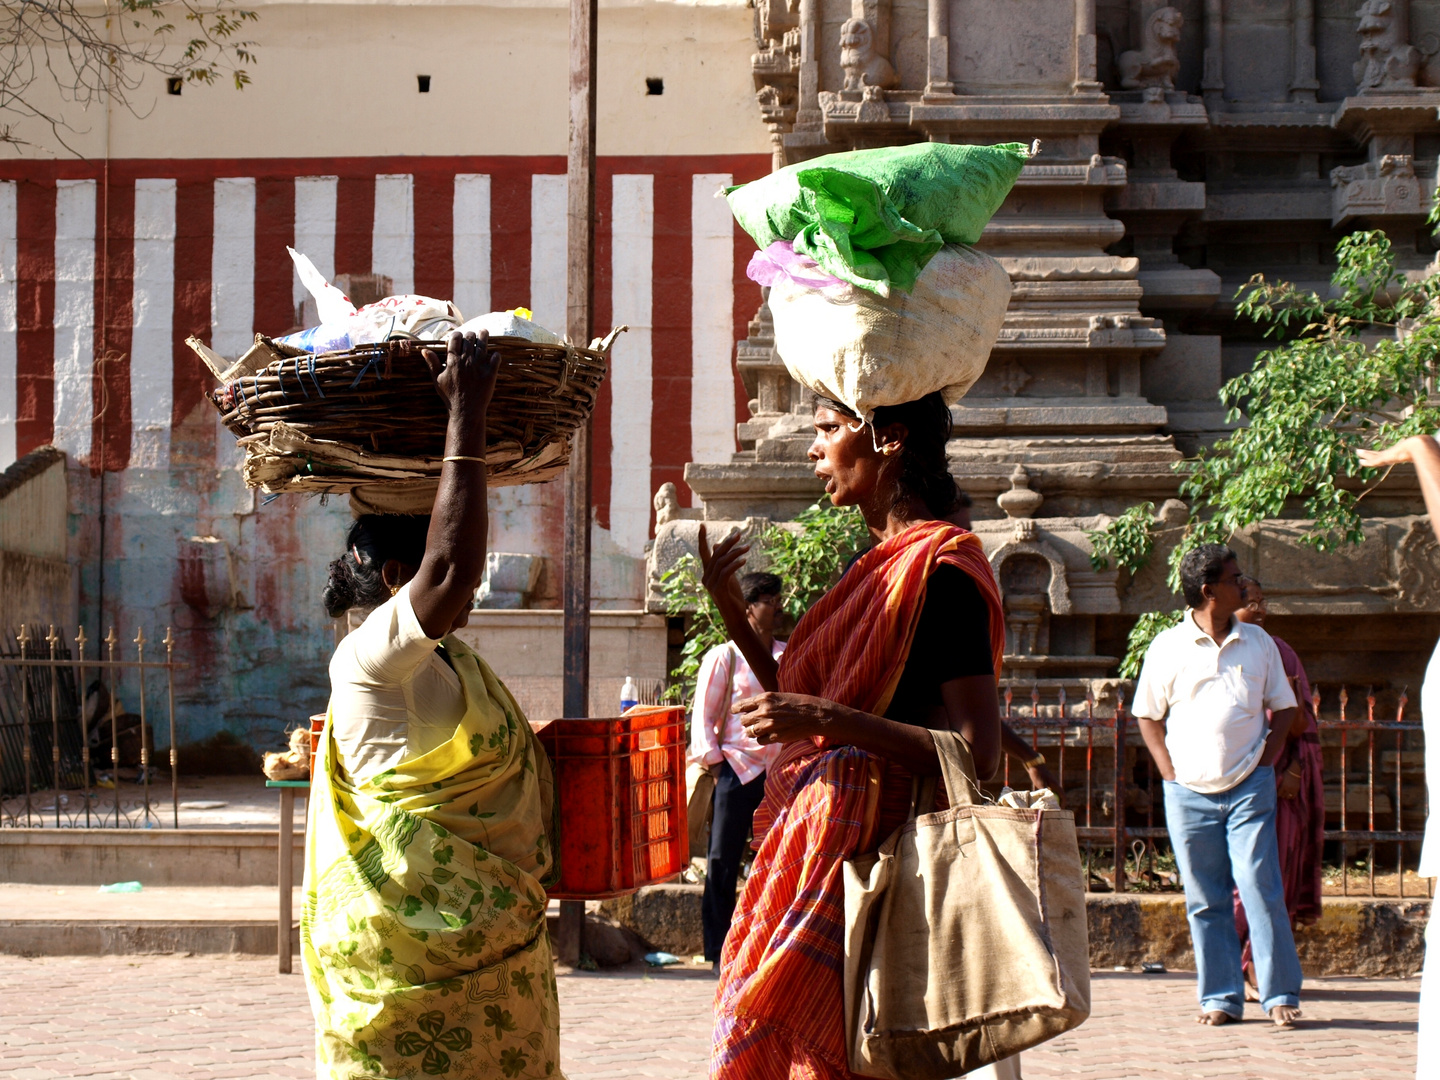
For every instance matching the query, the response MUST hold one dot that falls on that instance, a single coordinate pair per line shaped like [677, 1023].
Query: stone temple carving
[1157, 64]
[1177, 157]
[1387, 59]
[862, 65]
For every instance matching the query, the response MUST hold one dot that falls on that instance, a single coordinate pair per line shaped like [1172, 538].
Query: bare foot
[1251, 994]
[1214, 1018]
[1285, 1016]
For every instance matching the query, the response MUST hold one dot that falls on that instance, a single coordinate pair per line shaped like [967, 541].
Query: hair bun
[340, 592]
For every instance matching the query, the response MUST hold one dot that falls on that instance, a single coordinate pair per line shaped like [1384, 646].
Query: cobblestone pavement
[202, 1018]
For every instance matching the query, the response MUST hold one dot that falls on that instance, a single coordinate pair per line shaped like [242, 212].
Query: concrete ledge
[57, 937]
[1355, 936]
[153, 856]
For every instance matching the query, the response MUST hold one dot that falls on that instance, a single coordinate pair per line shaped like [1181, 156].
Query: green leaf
[409, 1043]
[456, 1039]
[430, 895]
[503, 897]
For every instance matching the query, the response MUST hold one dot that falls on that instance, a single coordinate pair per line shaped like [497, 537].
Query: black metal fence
[1374, 783]
[61, 725]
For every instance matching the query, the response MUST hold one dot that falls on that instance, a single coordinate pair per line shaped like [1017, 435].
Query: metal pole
[144, 742]
[84, 727]
[1120, 779]
[285, 842]
[26, 750]
[579, 291]
[174, 754]
[53, 639]
[111, 640]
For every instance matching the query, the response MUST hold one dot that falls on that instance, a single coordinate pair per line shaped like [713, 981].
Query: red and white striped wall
[105, 272]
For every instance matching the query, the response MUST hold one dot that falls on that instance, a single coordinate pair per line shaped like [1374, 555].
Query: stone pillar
[808, 115]
[937, 77]
[1212, 82]
[1303, 83]
[1085, 81]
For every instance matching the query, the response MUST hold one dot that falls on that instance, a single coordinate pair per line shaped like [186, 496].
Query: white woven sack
[868, 351]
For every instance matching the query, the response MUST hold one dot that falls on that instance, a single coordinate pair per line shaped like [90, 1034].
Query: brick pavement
[204, 1018]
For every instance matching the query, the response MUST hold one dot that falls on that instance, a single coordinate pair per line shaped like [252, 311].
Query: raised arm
[721, 565]
[1422, 452]
[444, 587]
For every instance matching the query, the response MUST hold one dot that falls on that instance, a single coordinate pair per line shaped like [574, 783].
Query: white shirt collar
[1233, 634]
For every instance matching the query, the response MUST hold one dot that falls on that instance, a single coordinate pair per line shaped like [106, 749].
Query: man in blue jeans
[1214, 707]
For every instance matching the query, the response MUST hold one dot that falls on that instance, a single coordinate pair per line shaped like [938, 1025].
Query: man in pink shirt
[718, 741]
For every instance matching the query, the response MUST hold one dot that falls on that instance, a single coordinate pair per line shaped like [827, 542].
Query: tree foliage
[808, 557]
[1141, 635]
[1351, 369]
[61, 54]
[811, 558]
[683, 595]
[1129, 539]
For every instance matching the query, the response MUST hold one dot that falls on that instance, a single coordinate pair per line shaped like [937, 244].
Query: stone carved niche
[1387, 188]
[1033, 587]
[1154, 66]
[1387, 59]
[1418, 562]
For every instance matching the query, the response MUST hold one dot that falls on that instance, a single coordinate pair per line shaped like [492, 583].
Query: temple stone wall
[1183, 148]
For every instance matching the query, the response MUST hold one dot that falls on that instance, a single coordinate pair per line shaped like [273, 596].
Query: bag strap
[957, 767]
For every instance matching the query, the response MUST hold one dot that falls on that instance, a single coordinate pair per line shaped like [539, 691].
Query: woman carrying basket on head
[908, 640]
[429, 841]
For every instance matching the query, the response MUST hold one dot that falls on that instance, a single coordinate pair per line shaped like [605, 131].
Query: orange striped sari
[779, 1008]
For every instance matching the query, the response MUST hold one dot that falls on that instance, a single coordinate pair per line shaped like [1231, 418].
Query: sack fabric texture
[875, 217]
[966, 937]
[869, 351]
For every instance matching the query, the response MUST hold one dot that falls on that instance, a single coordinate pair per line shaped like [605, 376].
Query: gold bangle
[463, 457]
[1038, 759]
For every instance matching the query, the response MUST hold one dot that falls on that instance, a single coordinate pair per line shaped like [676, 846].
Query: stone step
[49, 920]
[156, 857]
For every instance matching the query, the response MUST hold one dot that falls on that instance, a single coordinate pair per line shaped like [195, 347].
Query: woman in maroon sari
[1300, 809]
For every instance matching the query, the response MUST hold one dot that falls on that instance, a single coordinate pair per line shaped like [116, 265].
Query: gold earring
[888, 449]
[394, 590]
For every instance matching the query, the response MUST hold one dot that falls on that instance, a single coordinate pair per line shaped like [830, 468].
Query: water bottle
[629, 695]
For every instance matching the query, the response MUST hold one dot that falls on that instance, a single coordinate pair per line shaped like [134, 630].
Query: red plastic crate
[620, 796]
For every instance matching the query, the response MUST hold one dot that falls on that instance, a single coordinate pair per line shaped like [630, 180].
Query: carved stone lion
[863, 67]
[1157, 63]
[1387, 60]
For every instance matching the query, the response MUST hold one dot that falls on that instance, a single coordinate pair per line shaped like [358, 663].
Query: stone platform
[1355, 936]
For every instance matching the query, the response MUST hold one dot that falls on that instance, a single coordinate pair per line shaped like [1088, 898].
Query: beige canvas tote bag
[965, 934]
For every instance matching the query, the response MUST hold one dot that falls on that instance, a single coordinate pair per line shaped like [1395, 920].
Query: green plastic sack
[874, 218]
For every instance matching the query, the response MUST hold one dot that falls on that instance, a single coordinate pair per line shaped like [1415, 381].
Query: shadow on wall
[222, 754]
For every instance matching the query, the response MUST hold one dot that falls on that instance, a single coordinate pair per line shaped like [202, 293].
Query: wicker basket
[369, 420]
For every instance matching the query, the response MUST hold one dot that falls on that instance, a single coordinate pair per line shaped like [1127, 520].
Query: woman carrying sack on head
[429, 841]
[909, 640]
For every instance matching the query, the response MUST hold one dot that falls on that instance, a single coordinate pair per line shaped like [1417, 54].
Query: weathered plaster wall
[339, 79]
[244, 604]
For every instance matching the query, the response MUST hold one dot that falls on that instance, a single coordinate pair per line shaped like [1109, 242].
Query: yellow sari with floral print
[423, 924]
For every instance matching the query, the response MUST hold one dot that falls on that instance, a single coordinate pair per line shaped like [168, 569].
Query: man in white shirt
[719, 742]
[1202, 702]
